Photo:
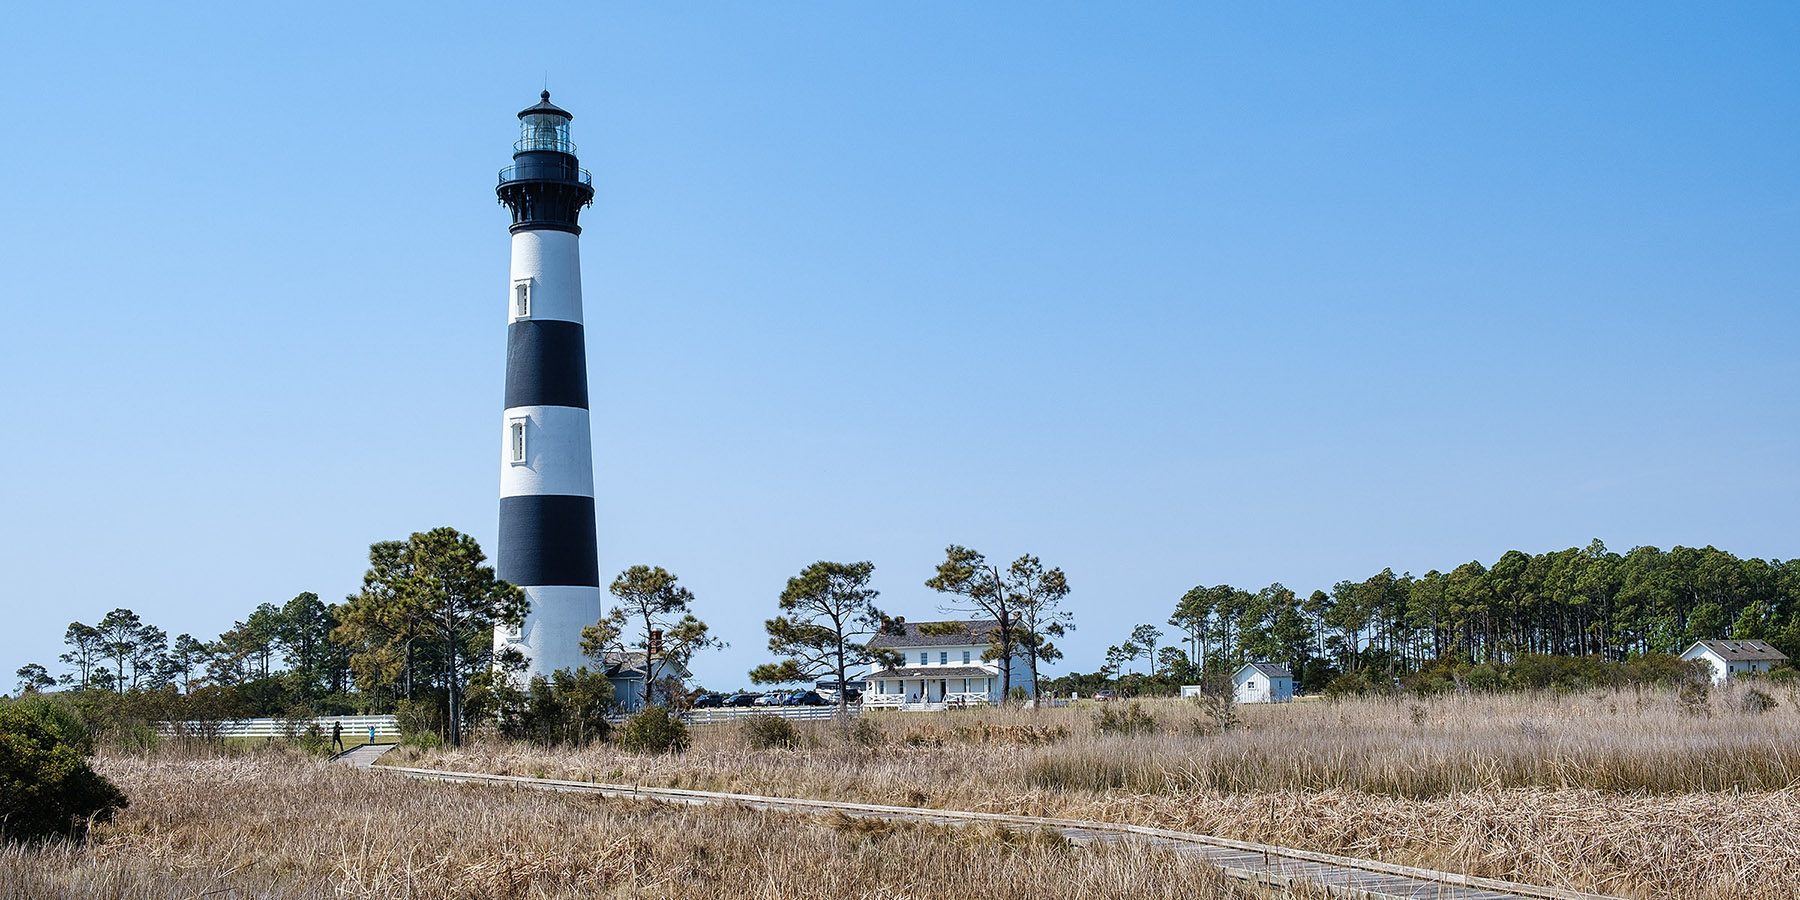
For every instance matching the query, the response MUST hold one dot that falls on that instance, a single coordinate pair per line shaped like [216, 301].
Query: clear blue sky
[1166, 294]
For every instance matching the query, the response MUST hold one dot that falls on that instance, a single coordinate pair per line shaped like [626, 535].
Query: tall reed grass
[1643, 793]
[266, 825]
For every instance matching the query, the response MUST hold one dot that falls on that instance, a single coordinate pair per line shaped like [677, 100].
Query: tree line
[417, 640]
[1579, 602]
[418, 637]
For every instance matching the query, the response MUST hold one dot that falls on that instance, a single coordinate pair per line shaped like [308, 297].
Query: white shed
[1263, 683]
[1732, 658]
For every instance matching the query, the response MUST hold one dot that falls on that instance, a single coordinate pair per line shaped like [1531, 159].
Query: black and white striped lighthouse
[547, 538]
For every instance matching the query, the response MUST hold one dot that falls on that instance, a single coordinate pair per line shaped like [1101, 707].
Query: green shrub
[764, 731]
[566, 709]
[863, 733]
[424, 740]
[1349, 684]
[47, 788]
[1134, 719]
[419, 717]
[1695, 698]
[1485, 679]
[654, 730]
[1757, 702]
[312, 740]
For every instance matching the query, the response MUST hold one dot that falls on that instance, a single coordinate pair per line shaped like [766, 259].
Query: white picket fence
[729, 714]
[356, 728]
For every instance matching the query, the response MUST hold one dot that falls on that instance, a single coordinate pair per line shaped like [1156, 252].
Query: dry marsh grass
[270, 826]
[1638, 793]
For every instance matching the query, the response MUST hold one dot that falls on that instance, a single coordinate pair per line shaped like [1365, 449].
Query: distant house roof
[939, 672]
[631, 665]
[1270, 670]
[964, 633]
[1741, 651]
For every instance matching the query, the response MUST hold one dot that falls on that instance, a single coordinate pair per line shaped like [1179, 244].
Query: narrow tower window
[522, 299]
[516, 441]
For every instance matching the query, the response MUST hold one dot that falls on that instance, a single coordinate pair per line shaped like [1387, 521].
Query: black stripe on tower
[546, 364]
[548, 539]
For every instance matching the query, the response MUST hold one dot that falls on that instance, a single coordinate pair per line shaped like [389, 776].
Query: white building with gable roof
[1732, 658]
[1263, 683]
[941, 666]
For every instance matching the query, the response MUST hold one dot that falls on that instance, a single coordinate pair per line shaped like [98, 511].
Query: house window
[515, 431]
[924, 659]
[944, 658]
[1250, 685]
[880, 686]
[965, 657]
[522, 299]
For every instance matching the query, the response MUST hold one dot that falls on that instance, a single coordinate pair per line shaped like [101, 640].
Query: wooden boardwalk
[1261, 863]
[362, 756]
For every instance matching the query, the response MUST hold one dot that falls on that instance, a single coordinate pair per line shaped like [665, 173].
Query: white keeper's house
[1732, 658]
[940, 666]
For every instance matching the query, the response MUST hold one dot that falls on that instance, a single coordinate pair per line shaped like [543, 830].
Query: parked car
[709, 701]
[804, 698]
[744, 699]
[853, 696]
[772, 698]
[1105, 696]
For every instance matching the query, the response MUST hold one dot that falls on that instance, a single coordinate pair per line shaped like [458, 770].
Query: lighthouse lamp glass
[542, 131]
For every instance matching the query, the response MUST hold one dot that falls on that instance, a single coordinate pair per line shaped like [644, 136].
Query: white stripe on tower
[547, 537]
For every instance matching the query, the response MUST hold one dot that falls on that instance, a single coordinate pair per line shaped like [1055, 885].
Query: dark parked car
[741, 699]
[804, 698]
[709, 701]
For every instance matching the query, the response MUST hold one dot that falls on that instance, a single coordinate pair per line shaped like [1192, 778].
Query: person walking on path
[371, 734]
[337, 736]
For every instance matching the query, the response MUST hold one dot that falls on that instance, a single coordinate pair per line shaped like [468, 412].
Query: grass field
[1641, 794]
[1648, 795]
[272, 825]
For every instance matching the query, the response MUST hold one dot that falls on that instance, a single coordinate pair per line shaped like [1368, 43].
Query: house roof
[1741, 651]
[939, 672]
[631, 665]
[1271, 670]
[969, 632]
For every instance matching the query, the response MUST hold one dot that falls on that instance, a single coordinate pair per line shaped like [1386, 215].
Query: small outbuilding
[1732, 658]
[627, 671]
[1263, 683]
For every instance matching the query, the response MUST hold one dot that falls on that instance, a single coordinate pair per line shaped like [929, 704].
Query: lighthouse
[547, 544]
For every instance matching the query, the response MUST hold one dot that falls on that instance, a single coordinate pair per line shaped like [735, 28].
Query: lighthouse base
[551, 637]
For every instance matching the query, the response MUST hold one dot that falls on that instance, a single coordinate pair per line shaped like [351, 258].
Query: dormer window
[522, 299]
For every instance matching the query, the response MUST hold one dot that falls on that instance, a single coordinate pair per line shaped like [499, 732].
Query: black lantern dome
[545, 187]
